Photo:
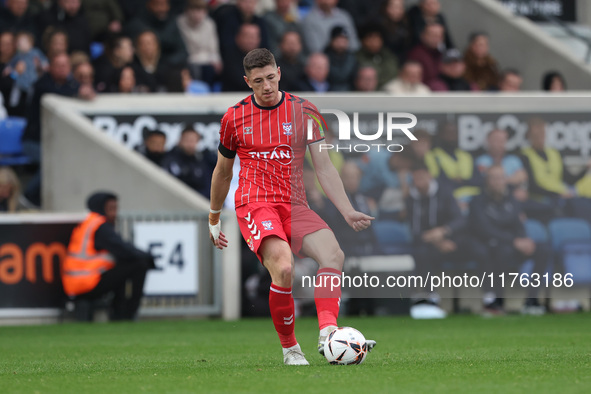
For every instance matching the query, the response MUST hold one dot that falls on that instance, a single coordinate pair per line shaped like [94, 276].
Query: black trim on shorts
[227, 153]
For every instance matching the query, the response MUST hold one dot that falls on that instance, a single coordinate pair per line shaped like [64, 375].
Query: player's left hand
[358, 220]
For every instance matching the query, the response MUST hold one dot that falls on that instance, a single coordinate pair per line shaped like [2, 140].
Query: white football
[345, 346]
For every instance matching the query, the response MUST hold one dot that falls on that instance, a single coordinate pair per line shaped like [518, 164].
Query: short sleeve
[228, 144]
[318, 123]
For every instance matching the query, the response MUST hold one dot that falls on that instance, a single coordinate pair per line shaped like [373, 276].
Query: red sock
[282, 313]
[327, 297]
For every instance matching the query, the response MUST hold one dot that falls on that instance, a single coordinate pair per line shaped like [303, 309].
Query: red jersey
[271, 143]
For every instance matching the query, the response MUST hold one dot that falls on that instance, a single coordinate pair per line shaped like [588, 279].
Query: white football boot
[294, 356]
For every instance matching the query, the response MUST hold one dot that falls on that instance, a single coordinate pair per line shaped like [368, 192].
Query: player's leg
[277, 258]
[323, 247]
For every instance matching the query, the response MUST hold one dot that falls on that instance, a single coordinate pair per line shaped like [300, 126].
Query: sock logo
[288, 320]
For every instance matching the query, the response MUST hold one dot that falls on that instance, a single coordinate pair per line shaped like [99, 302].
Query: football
[345, 346]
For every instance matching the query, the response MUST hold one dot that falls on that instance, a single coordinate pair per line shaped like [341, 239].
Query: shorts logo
[247, 130]
[287, 128]
[267, 225]
[253, 228]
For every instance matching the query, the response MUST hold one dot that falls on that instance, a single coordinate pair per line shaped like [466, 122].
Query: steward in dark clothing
[99, 261]
[501, 244]
[74, 23]
[193, 168]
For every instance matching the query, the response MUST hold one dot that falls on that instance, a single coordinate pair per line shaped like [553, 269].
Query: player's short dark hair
[258, 58]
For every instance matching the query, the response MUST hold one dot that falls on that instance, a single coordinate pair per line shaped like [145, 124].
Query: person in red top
[269, 132]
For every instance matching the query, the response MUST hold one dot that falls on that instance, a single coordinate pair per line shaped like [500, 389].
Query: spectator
[428, 53]
[7, 48]
[392, 184]
[124, 81]
[341, 59]
[15, 101]
[501, 244]
[247, 39]
[104, 18]
[11, 199]
[394, 23]
[360, 11]
[68, 15]
[99, 262]
[428, 12]
[510, 81]
[421, 150]
[354, 243]
[316, 74]
[291, 61]
[548, 182]
[496, 147]
[55, 41]
[438, 231]
[374, 54]
[481, 67]
[157, 18]
[153, 146]
[451, 76]
[57, 80]
[279, 21]
[201, 40]
[15, 16]
[320, 21]
[366, 79]
[83, 73]
[553, 81]
[409, 81]
[317, 201]
[149, 67]
[455, 168]
[27, 64]
[189, 165]
[118, 53]
[230, 21]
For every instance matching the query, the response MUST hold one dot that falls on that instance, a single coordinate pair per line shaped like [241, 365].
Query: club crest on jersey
[267, 225]
[287, 128]
[247, 130]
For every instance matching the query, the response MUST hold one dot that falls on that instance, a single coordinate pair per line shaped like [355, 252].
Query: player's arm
[331, 183]
[220, 185]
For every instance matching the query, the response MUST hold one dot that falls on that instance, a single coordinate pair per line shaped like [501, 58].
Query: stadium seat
[11, 150]
[96, 49]
[565, 230]
[536, 231]
[393, 237]
[571, 240]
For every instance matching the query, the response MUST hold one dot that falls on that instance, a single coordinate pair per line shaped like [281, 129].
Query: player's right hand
[217, 236]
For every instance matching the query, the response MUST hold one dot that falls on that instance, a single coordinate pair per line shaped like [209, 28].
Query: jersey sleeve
[316, 134]
[228, 143]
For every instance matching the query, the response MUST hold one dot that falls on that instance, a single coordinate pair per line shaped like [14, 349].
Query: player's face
[264, 82]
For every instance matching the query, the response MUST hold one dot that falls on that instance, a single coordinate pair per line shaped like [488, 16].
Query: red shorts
[289, 222]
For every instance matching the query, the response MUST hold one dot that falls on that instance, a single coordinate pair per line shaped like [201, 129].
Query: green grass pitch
[459, 354]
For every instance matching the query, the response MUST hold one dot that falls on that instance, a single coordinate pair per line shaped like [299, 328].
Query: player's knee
[282, 275]
[338, 257]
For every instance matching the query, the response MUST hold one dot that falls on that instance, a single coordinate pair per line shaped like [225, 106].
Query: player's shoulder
[300, 101]
[245, 101]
